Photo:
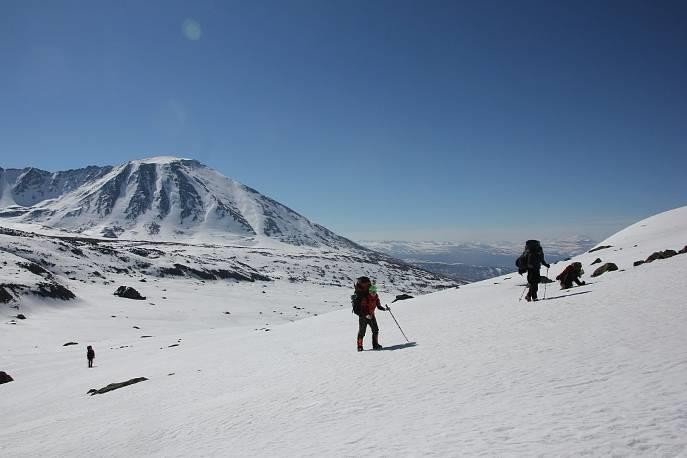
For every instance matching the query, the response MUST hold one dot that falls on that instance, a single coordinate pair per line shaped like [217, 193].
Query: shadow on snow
[400, 346]
[565, 295]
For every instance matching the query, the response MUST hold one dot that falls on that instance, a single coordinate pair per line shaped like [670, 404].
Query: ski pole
[388, 309]
[523, 292]
[547, 277]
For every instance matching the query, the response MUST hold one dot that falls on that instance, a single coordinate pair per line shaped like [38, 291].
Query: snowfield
[597, 370]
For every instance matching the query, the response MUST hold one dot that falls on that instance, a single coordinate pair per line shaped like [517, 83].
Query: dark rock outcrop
[5, 378]
[603, 247]
[596, 261]
[128, 292]
[608, 267]
[116, 386]
[637, 263]
[683, 251]
[661, 255]
[5, 296]
[34, 269]
[70, 343]
[402, 297]
[21, 316]
[54, 290]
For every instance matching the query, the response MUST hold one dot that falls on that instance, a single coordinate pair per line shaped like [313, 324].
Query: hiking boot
[375, 342]
[360, 348]
[360, 344]
[528, 298]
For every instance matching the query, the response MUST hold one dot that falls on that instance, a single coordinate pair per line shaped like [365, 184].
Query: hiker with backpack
[365, 301]
[531, 261]
[90, 355]
[571, 274]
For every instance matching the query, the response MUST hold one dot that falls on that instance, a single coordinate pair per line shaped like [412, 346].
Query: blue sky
[379, 119]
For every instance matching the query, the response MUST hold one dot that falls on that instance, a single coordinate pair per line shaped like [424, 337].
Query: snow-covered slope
[160, 198]
[598, 370]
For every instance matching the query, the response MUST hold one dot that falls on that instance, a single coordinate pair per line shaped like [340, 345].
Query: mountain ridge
[155, 198]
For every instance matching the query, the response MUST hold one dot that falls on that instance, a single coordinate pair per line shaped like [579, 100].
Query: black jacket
[535, 259]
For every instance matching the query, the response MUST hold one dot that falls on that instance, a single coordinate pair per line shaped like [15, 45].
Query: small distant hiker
[365, 302]
[531, 261]
[90, 354]
[571, 274]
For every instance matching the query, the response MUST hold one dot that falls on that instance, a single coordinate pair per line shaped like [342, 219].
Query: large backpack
[531, 246]
[356, 302]
[358, 295]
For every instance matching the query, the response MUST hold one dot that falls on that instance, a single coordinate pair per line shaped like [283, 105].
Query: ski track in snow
[601, 373]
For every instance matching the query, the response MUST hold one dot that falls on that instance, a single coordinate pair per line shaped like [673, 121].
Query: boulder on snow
[402, 297]
[661, 255]
[70, 343]
[128, 293]
[603, 247]
[596, 261]
[683, 251]
[608, 267]
[5, 378]
[545, 279]
[116, 386]
[21, 316]
[5, 296]
[638, 263]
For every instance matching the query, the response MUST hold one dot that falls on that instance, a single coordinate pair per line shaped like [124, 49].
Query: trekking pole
[399, 326]
[547, 277]
[523, 292]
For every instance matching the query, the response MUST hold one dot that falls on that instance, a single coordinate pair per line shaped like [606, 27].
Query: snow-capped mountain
[160, 198]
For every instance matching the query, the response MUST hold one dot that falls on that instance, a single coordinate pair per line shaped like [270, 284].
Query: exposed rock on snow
[21, 316]
[596, 261]
[54, 290]
[128, 292]
[5, 296]
[5, 377]
[70, 343]
[116, 386]
[665, 254]
[402, 297]
[608, 267]
[603, 247]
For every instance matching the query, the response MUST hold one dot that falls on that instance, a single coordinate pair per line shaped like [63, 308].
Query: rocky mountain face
[163, 198]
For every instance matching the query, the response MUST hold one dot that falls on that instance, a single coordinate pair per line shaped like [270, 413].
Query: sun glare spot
[191, 29]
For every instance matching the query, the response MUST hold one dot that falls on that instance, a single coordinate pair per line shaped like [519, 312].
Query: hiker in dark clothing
[534, 260]
[366, 293]
[571, 274]
[90, 354]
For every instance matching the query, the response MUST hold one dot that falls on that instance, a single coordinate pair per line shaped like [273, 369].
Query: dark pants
[90, 362]
[567, 281]
[533, 277]
[362, 326]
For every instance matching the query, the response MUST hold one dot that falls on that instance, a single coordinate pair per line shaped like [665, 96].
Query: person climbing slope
[365, 302]
[571, 274]
[531, 261]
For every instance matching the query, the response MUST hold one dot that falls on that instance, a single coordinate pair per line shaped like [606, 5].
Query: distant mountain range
[474, 261]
